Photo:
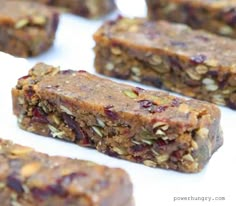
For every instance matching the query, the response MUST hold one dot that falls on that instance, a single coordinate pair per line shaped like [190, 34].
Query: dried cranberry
[111, 114]
[39, 116]
[55, 22]
[68, 71]
[231, 104]
[203, 38]
[198, 59]
[44, 193]
[70, 121]
[15, 184]
[160, 144]
[24, 77]
[29, 92]
[178, 43]
[174, 63]
[153, 81]
[145, 103]
[176, 155]
[224, 80]
[213, 73]
[82, 71]
[175, 102]
[158, 109]
[138, 148]
[111, 153]
[230, 16]
[67, 179]
[139, 89]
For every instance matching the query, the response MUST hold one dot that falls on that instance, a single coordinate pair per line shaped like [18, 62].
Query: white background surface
[152, 187]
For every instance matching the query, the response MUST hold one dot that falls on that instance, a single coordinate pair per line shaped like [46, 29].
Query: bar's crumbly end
[149, 127]
[215, 16]
[171, 56]
[31, 178]
[26, 28]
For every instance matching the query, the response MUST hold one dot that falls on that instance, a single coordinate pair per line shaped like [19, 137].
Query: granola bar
[85, 8]
[30, 178]
[215, 16]
[149, 127]
[171, 56]
[26, 28]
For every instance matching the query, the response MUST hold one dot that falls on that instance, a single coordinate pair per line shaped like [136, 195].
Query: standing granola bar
[217, 16]
[30, 178]
[171, 56]
[149, 127]
[26, 28]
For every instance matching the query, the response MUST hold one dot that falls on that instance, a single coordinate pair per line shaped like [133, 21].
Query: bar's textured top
[202, 47]
[212, 3]
[124, 100]
[19, 13]
[30, 178]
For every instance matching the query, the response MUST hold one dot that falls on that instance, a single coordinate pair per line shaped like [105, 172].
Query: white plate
[152, 187]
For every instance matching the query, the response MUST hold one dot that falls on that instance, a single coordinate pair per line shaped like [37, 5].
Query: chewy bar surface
[31, 178]
[217, 16]
[149, 127]
[85, 8]
[171, 56]
[26, 28]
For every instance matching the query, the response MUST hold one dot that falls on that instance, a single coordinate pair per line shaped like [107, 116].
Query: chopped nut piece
[188, 157]
[30, 169]
[115, 50]
[119, 150]
[201, 69]
[162, 158]
[155, 60]
[21, 23]
[149, 163]
[109, 66]
[193, 75]
[203, 132]
[39, 20]
[208, 81]
[136, 71]
[21, 151]
[2, 185]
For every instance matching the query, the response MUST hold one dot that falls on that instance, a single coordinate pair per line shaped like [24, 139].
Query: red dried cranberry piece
[111, 114]
[68, 71]
[198, 59]
[230, 16]
[39, 116]
[70, 121]
[138, 148]
[203, 38]
[175, 102]
[29, 92]
[24, 77]
[178, 43]
[176, 155]
[145, 103]
[82, 71]
[14, 184]
[158, 109]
